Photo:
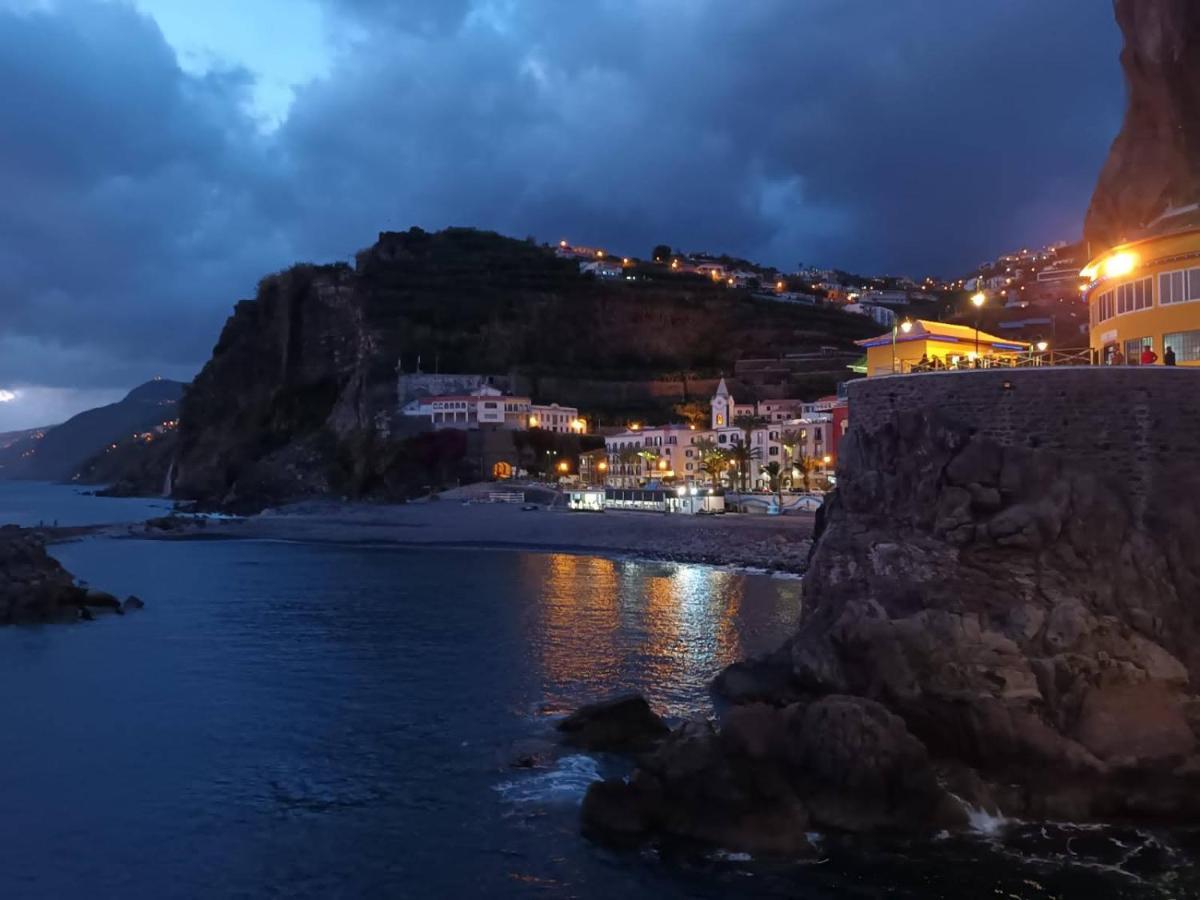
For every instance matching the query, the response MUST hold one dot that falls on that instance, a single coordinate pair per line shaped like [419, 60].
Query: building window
[690, 467]
[1104, 307]
[1178, 287]
[772, 451]
[687, 453]
[1134, 348]
[1186, 345]
[1133, 296]
[720, 438]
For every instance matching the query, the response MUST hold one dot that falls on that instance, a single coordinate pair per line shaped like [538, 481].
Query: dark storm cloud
[906, 135]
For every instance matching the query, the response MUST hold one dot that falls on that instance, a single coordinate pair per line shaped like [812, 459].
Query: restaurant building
[1146, 295]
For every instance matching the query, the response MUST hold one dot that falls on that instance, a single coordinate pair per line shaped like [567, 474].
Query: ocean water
[33, 503]
[314, 721]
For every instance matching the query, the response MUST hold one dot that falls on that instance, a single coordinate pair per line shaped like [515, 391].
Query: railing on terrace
[1052, 358]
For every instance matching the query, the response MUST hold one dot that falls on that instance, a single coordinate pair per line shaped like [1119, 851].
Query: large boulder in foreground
[35, 588]
[769, 776]
[1022, 612]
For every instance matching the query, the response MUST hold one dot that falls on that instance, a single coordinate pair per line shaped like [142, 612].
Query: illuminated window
[1133, 296]
[1186, 345]
[1179, 287]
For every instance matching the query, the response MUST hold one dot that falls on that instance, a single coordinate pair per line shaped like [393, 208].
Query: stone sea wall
[1140, 422]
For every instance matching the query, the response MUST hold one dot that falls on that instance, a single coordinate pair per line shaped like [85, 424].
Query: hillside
[61, 450]
[311, 362]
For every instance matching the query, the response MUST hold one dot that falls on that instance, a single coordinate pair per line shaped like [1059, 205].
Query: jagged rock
[100, 600]
[623, 724]
[132, 603]
[33, 586]
[1154, 163]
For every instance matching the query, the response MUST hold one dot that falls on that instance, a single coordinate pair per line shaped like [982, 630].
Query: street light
[906, 327]
[978, 300]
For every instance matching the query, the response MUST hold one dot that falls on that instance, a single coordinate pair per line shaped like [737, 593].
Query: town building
[788, 432]
[1145, 295]
[938, 345]
[487, 407]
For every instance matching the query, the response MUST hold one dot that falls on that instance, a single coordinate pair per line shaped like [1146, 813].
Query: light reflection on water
[674, 626]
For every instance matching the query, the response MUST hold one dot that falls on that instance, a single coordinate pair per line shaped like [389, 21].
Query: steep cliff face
[306, 369]
[1155, 161]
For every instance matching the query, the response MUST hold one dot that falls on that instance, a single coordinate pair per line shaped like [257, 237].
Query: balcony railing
[965, 363]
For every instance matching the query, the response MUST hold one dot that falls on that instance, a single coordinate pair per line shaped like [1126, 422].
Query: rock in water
[132, 603]
[622, 725]
[33, 586]
[1155, 161]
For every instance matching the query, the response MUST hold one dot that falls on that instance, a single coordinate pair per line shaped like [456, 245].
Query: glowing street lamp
[563, 467]
[906, 327]
[978, 300]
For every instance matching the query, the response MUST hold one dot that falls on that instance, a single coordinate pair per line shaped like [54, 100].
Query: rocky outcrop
[35, 588]
[1002, 611]
[1155, 160]
[623, 725]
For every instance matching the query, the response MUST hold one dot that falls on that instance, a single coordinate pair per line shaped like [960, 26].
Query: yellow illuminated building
[1146, 295]
[922, 345]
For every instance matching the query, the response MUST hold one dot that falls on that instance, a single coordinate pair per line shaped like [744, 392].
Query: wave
[566, 782]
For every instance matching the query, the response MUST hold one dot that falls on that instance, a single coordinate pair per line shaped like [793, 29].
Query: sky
[158, 157]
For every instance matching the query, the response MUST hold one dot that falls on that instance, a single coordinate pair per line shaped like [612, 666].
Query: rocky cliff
[1155, 160]
[301, 387]
[1002, 611]
[35, 588]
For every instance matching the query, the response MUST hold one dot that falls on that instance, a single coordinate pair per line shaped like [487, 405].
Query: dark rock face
[622, 725]
[771, 775]
[1029, 617]
[35, 588]
[1155, 161]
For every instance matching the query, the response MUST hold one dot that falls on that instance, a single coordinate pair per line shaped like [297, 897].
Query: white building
[487, 407]
[675, 453]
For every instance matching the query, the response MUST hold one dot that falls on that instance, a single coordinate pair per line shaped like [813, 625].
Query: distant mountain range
[57, 453]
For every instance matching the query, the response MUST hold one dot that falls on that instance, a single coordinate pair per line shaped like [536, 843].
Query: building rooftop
[944, 332]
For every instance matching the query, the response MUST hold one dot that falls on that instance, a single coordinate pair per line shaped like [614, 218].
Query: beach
[754, 541]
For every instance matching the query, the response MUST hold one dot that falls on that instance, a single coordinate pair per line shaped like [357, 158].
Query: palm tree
[651, 459]
[790, 439]
[713, 461]
[774, 472]
[806, 465]
[626, 457]
[742, 454]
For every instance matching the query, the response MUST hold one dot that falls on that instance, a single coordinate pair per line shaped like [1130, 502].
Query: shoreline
[778, 544]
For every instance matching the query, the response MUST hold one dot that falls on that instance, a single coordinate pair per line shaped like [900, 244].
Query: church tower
[722, 406]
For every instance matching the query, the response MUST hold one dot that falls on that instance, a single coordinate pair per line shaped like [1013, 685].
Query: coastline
[749, 541]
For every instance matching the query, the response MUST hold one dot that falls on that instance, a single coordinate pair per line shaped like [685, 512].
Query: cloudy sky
[158, 156]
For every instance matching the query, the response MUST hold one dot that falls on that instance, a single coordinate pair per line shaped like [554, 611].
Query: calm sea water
[313, 721]
[33, 503]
